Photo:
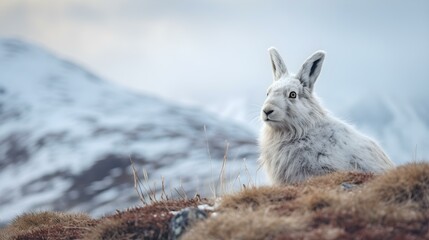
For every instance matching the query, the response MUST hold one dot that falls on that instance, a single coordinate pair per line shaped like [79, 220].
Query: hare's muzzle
[266, 113]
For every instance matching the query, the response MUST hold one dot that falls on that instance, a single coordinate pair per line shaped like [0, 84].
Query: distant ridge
[67, 136]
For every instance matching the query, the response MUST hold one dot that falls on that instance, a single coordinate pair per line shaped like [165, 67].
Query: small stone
[183, 219]
[348, 186]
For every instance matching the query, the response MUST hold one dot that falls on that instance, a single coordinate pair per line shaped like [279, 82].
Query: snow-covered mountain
[66, 138]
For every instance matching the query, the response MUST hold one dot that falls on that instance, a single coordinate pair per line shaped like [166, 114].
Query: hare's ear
[310, 69]
[279, 67]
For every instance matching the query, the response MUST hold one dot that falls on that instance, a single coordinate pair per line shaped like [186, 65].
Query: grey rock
[183, 219]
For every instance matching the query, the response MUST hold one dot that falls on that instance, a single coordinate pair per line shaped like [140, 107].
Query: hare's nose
[268, 112]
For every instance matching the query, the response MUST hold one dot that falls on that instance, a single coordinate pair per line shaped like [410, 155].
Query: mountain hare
[299, 138]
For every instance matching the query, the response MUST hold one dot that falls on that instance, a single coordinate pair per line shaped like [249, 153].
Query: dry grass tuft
[136, 225]
[379, 209]
[148, 222]
[49, 225]
[334, 180]
[360, 222]
[57, 232]
[30, 221]
[405, 184]
[245, 224]
[316, 199]
[255, 198]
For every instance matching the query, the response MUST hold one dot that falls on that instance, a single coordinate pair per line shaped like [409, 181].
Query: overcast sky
[214, 53]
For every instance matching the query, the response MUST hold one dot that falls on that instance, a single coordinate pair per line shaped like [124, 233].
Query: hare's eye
[292, 94]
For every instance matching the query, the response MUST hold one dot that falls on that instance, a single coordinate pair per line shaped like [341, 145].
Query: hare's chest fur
[328, 147]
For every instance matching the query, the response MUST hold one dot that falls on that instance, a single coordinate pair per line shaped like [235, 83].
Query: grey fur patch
[321, 154]
[328, 169]
[354, 163]
[332, 140]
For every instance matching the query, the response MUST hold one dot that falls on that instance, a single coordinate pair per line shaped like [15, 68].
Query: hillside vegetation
[342, 205]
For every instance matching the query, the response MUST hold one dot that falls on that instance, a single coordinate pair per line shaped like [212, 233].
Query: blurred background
[176, 86]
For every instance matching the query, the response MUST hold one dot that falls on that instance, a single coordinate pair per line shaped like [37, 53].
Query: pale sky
[214, 53]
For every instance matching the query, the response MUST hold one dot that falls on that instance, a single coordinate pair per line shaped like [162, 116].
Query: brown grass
[393, 205]
[48, 225]
[245, 224]
[149, 222]
[254, 198]
[408, 184]
[30, 221]
[334, 179]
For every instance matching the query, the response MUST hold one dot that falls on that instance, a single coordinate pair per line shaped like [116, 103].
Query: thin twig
[223, 169]
[137, 183]
[211, 184]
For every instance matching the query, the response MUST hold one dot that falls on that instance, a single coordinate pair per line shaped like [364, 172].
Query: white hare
[299, 138]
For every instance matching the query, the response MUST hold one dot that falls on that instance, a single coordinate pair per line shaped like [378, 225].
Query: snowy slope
[66, 137]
